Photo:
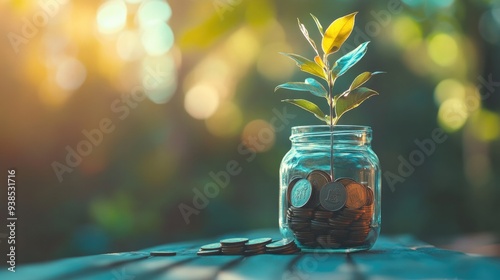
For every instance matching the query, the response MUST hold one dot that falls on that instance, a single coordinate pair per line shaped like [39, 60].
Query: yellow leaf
[319, 61]
[307, 65]
[337, 33]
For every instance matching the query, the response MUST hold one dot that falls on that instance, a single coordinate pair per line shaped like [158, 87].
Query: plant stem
[331, 83]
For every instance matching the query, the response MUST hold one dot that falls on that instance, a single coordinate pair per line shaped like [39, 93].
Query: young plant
[332, 40]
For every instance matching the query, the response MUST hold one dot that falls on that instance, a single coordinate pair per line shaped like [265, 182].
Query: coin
[356, 195]
[290, 187]
[211, 246]
[369, 196]
[233, 242]
[282, 247]
[318, 178]
[345, 181]
[162, 253]
[257, 242]
[333, 196]
[301, 193]
[283, 243]
[334, 222]
[208, 252]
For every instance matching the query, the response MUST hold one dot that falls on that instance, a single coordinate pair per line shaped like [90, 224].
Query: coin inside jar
[318, 179]
[301, 193]
[356, 195]
[333, 196]
[290, 187]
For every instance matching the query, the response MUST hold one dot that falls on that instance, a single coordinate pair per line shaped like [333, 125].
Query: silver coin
[333, 196]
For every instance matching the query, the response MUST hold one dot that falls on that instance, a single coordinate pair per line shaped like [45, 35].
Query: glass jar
[327, 212]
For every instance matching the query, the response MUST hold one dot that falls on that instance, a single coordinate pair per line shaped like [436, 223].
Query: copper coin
[318, 179]
[301, 193]
[356, 195]
[345, 181]
[333, 196]
[370, 197]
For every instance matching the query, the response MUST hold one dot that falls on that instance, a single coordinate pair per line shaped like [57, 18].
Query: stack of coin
[233, 246]
[257, 246]
[243, 246]
[210, 249]
[282, 247]
[329, 214]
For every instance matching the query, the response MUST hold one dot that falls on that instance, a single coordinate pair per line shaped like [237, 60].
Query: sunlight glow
[258, 135]
[226, 121]
[449, 88]
[452, 114]
[70, 74]
[201, 101]
[111, 16]
[443, 49]
[158, 39]
[153, 12]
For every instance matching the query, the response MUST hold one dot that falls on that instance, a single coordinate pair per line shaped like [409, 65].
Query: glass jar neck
[321, 135]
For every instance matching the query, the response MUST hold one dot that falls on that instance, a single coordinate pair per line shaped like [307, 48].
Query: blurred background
[116, 112]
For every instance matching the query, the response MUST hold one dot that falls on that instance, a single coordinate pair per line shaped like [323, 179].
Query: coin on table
[258, 242]
[301, 193]
[356, 195]
[333, 196]
[208, 252]
[211, 246]
[233, 242]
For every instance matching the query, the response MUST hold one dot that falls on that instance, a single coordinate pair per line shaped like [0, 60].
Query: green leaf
[362, 78]
[337, 33]
[350, 100]
[304, 31]
[349, 60]
[318, 24]
[308, 106]
[307, 65]
[310, 85]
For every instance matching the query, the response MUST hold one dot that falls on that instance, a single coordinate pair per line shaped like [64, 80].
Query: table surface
[400, 257]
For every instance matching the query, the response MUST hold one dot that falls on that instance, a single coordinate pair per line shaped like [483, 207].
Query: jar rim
[326, 129]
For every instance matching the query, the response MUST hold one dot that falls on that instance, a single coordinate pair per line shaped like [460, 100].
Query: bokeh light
[153, 12]
[406, 31]
[201, 101]
[489, 25]
[128, 45]
[448, 88]
[157, 39]
[111, 16]
[159, 78]
[273, 67]
[226, 121]
[452, 114]
[258, 135]
[486, 125]
[443, 49]
[70, 74]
